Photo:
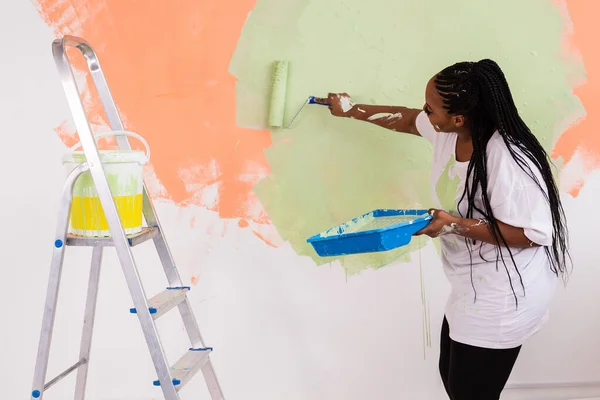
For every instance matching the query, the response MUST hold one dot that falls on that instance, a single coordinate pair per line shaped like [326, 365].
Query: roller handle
[316, 100]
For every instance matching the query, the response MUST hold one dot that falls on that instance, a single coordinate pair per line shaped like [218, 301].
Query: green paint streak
[118, 183]
[123, 179]
[447, 188]
[426, 319]
[326, 170]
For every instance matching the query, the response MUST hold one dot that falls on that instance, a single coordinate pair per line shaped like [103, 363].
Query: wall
[238, 201]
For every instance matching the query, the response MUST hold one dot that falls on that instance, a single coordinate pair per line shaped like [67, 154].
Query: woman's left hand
[442, 223]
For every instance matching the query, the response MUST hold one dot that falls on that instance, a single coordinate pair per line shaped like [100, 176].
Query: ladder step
[134, 239]
[187, 366]
[165, 301]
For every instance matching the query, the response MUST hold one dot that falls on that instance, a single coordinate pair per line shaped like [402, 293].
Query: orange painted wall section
[167, 67]
[584, 137]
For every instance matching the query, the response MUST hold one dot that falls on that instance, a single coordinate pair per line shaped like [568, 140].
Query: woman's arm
[479, 230]
[395, 118]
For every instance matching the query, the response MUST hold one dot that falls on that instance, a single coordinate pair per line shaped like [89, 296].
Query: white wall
[281, 327]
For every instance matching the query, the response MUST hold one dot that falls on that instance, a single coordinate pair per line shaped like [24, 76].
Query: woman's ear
[459, 121]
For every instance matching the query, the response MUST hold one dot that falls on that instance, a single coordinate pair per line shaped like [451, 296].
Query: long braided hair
[480, 92]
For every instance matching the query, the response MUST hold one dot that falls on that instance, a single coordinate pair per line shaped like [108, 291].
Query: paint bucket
[124, 172]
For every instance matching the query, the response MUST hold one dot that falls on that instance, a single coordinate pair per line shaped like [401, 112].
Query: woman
[503, 234]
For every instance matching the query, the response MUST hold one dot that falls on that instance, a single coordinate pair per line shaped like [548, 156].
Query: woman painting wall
[503, 236]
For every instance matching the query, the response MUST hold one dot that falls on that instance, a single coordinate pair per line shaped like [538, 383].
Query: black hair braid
[481, 93]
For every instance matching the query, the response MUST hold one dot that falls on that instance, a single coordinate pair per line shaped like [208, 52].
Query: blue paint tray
[378, 230]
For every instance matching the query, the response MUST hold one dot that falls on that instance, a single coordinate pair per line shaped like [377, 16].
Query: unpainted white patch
[153, 184]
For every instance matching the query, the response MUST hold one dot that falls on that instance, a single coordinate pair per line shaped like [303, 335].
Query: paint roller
[278, 92]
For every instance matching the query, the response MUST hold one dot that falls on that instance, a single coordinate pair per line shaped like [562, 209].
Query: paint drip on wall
[326, 170]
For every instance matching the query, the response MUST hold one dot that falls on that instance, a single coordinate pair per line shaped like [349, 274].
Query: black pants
[474, 373]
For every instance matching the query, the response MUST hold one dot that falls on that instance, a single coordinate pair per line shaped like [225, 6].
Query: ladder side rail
[89, 317]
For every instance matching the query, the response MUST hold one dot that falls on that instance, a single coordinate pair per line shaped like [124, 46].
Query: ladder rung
[134, 240]
[187, 366]
[165, 301]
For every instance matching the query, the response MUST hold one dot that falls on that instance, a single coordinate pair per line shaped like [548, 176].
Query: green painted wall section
[325, 170]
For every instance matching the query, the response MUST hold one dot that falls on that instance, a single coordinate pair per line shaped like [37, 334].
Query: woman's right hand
[340, 104]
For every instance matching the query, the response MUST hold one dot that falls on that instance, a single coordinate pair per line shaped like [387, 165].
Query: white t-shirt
[487, 316]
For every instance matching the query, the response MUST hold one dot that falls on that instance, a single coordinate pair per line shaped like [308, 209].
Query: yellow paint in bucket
[124, 172]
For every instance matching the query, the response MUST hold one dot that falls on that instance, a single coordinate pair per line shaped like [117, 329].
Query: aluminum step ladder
[197, 357]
